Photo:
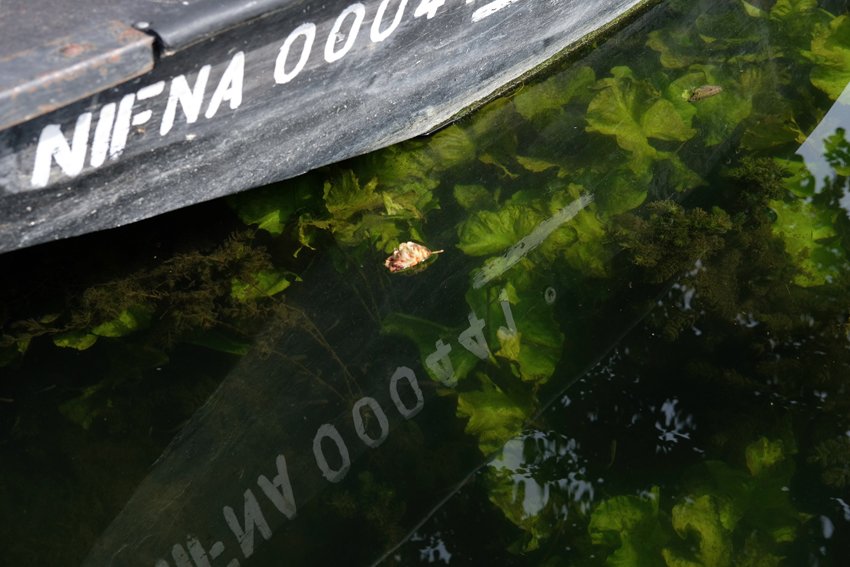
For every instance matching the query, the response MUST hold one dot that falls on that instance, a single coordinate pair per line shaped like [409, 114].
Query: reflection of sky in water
[812, 150]
[435, 550]
[845, 508]
[674, 427]
[536, 491]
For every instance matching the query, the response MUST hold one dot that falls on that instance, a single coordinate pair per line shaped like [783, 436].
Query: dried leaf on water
[408, 255]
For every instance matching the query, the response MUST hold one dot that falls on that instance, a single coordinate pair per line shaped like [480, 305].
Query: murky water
[634, 348]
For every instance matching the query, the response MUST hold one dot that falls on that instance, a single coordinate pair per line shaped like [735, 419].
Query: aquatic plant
[184, 295]
[724, 516]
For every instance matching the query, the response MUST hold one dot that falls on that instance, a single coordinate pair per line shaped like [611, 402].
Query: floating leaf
[632, 111]
[554, 93]
[663, 121]
[382, 231]
[772, 130]
[263, 284]
[675, 175]
[533, 348]
[629, 525]
[535, 165]
[489, 159]
[796, 21]
[536, 349]
[86, 407]
[623, 191]
[79, 340]
[452, 146]
[409, 165]
[23, 344]
[675, 47]
[718, 35]
[763, 454]
[381, 212]
[591, 254]
[491, 232]
[271, 207]
[787, 9]
[473, 197]
[510, 228]
[344, 196]
[14, 346]
[493, 417]
[713, 520]
[128, 321]
[753, 11]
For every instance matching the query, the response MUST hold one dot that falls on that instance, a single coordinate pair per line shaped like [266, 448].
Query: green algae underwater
[635, 350]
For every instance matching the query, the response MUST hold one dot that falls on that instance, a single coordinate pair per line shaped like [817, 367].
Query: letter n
[53, 145]
[253, 517]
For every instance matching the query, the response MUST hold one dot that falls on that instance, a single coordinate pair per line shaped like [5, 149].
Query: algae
[704, 267]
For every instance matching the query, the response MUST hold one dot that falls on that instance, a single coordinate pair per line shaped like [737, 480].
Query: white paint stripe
[495, 267]
[102, 134]
[490, 9]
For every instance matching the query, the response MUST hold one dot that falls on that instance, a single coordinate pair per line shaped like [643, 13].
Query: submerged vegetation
[731, 517]
[643, 212]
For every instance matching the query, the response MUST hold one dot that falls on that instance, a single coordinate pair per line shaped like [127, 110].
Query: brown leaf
[408, 255]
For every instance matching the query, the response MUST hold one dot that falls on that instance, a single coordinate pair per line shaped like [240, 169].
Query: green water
[634, 349]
